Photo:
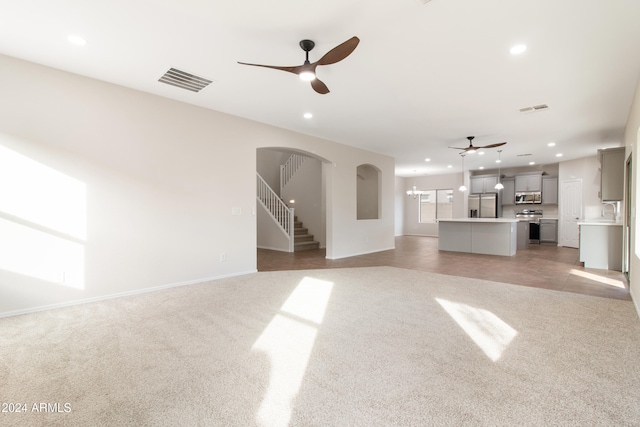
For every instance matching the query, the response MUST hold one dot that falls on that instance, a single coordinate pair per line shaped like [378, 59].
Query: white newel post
[291, 230]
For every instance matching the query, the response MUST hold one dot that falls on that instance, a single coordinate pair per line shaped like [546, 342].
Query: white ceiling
[424, 77]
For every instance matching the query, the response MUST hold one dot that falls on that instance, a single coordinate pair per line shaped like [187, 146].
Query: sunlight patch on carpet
[288, 341]
[603, 280]
[487, 330]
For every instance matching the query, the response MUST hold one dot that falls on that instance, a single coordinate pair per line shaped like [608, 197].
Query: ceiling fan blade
[319, 87]
[493, 145]
[459, 148]
[339, 52]
[294, 70]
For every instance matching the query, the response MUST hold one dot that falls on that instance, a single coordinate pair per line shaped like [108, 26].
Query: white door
[570, 212]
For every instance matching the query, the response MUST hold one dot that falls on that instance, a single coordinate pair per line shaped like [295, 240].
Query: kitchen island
[491, 236]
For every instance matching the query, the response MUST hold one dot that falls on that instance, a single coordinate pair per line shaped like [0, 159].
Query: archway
[299, 180]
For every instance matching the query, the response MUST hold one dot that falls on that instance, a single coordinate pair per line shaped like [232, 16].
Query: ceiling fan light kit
[307, 71]
[307, 76]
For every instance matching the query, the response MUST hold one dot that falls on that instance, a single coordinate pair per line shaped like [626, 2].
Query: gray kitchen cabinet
[529, 182]
[549, 190]
[548, 230]
[522, 237]
[483, 184]
[601, 244]
[611, 174]
[509, 192]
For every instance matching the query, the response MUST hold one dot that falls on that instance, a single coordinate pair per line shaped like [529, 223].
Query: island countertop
[484, 220]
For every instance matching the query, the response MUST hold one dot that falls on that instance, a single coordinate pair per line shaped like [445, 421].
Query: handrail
[280, 212]
[289, 169]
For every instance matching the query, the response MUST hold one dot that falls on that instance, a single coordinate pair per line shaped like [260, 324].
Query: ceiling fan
[471, 148]
[307, 71]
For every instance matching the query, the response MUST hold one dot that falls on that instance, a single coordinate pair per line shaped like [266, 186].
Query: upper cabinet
[611, 174]
[483, 184]
[529, 182]
[549, 190]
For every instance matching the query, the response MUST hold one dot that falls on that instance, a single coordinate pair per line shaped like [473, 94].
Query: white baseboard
[272, 249]
[119, 295]
[363, 253]
[635, 304]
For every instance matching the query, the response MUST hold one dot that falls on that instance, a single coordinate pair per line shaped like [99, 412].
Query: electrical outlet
[223, 256]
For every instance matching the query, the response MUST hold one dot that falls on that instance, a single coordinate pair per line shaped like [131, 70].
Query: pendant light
[462, 187]
[499, 185]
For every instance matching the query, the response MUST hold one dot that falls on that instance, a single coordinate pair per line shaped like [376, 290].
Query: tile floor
[543, 266]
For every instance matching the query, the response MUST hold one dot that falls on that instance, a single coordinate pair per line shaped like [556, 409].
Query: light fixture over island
[491, 236]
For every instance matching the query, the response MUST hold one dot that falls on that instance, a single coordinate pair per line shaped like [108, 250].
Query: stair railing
[289, 169]
[280, 212]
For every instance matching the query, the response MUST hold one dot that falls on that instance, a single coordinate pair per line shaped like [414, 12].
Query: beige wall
[168, 189]
[411, 224]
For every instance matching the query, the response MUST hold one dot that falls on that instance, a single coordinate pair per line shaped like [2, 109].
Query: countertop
[603, 222]
[483, 220]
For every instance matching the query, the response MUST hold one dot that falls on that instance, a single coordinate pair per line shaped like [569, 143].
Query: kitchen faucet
[615, 209]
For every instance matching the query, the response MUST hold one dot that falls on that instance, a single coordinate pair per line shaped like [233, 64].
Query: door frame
[628, 203]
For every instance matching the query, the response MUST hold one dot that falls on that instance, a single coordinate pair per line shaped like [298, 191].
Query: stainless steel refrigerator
[484, 205]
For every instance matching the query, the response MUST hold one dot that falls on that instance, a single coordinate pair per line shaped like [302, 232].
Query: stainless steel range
[533, 216]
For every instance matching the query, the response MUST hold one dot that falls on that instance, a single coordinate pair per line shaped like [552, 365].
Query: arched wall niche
[368, 192]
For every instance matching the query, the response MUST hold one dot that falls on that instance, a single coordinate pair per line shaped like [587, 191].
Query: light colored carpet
[375, 346]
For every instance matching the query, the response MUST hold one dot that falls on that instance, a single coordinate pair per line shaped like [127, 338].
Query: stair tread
[306, 245]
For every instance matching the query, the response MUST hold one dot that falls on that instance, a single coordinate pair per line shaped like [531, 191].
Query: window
[435, 204]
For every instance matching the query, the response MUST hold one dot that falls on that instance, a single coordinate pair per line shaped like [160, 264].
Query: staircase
[302, 240]
[298, 236]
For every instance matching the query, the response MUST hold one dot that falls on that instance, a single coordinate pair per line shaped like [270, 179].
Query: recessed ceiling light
[498, 161]
[77, 40]
[449, 166]
[559, 155]
[480, 153]
[532, 163]
[481, 167]
[427, 159]
[517, 49]
[551, 144]
[308, 115]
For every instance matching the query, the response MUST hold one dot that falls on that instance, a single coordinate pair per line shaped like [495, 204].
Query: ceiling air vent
[184, 80]
[539, 107]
